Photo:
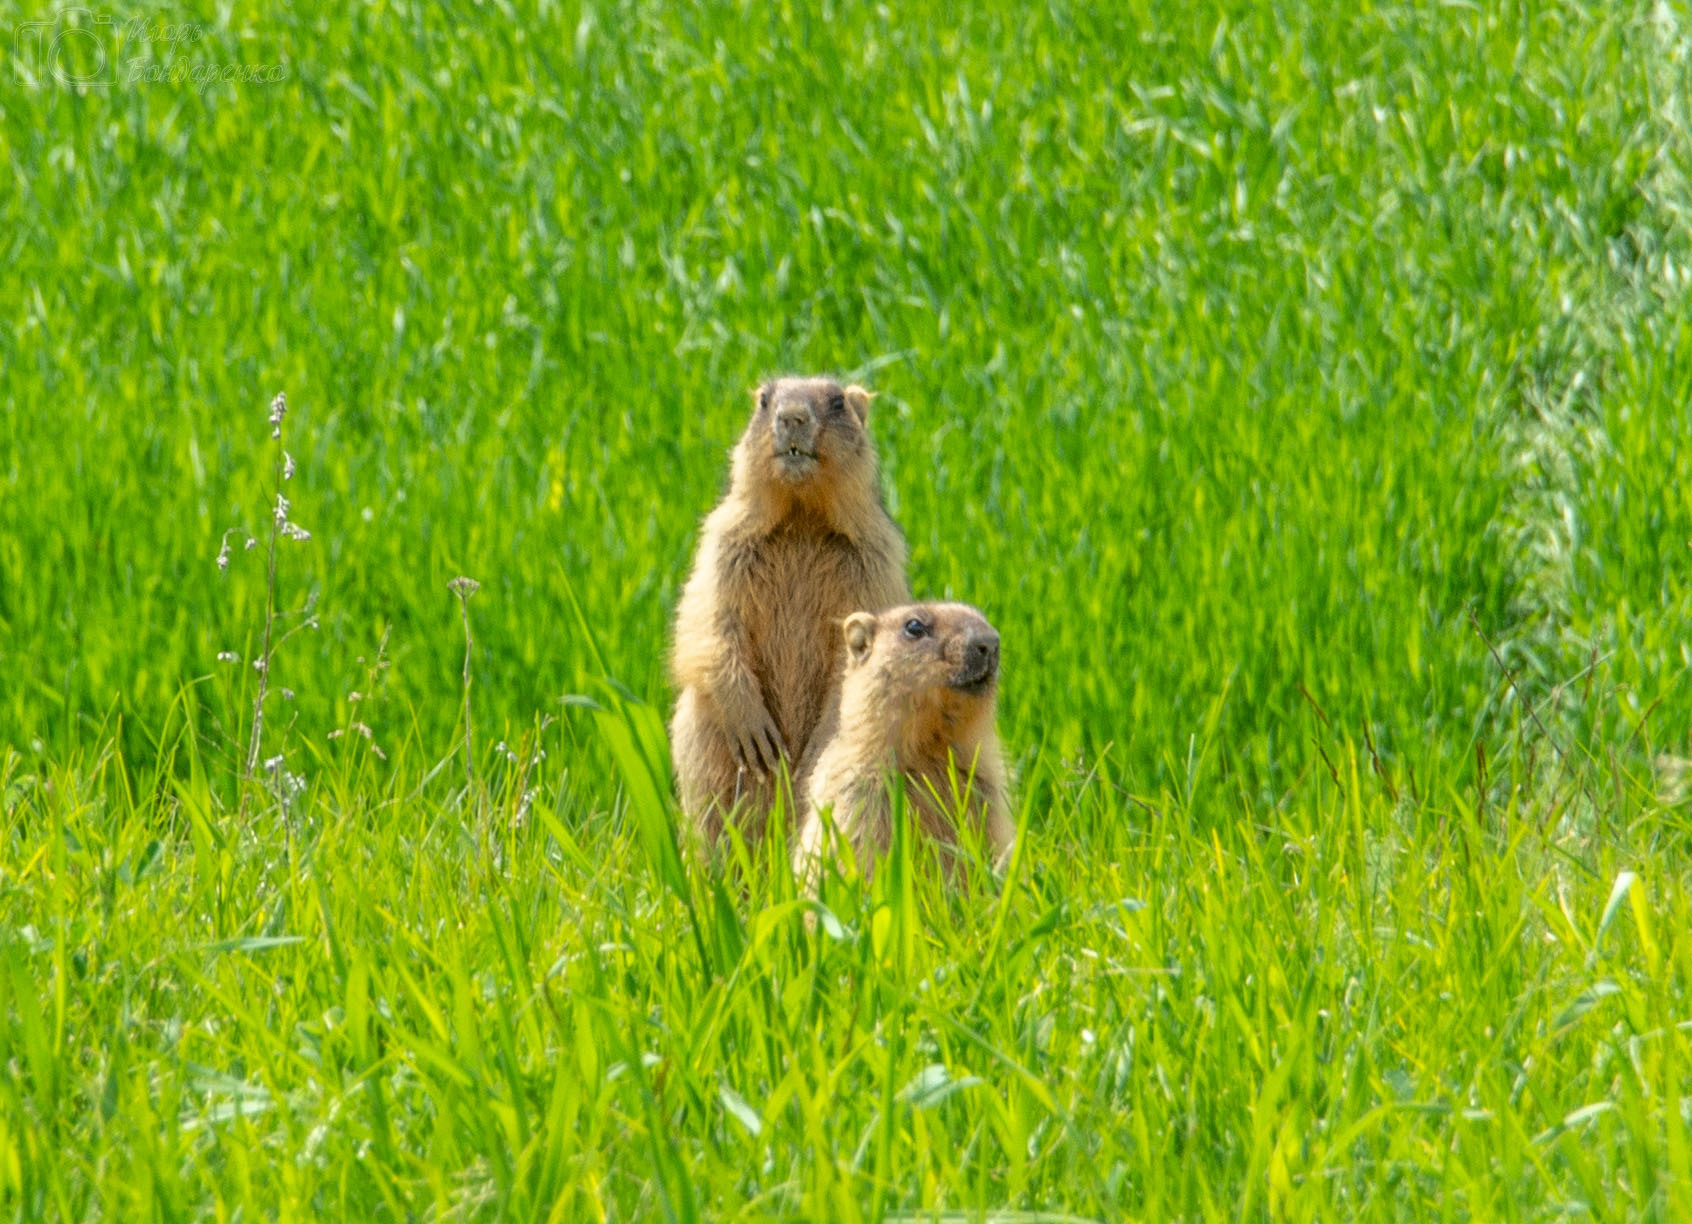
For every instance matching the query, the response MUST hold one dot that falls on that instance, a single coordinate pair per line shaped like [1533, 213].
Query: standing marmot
[801, 540]
[916, 700]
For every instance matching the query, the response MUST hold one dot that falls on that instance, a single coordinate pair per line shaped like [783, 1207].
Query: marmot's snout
[795, 430]
[979, 665]
[793, 435]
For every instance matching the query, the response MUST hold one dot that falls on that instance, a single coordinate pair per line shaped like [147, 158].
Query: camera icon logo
[77, 48]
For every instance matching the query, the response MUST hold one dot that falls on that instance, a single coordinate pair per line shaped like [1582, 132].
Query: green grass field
[1302, 389]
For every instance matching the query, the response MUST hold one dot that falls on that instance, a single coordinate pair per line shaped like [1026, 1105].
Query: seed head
[464, 587]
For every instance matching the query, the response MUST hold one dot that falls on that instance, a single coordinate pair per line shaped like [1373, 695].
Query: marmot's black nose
[790, 419]
[980, 660]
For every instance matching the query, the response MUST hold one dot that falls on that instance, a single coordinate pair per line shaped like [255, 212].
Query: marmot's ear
[858, 400]
[860, 635]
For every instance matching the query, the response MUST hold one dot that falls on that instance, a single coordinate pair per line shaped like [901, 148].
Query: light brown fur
[800, 541]
[918, 705]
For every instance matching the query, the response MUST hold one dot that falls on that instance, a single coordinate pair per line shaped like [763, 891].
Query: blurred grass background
[1292, 384]
[1208, 343]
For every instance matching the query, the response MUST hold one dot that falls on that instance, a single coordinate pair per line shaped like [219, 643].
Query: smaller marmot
[800, 541]
[917, 701]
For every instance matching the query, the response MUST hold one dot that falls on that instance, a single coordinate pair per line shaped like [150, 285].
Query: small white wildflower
[260, 665]
[281, 511]
[278, 410]
[287, 466]
[354, 696]
[287, 694]
[223, 556]
[251, 543]
[275, 763]
[293, 531]
[366, 733]
[464, 587]
[228, 656]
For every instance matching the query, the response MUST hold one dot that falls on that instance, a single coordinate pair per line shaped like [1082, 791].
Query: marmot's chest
[807, 571]
[802, 585]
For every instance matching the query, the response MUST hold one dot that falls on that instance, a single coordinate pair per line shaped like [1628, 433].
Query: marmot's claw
[759, 750]
[771, 745]
[745, 758]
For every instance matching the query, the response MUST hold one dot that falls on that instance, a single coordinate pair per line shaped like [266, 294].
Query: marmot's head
[928, 670]
[806, 428]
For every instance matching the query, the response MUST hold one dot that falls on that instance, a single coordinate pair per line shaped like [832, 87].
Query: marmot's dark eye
[837, 405]
[915, 629]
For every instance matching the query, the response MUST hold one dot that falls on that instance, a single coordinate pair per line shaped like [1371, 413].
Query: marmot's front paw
[757, 744]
